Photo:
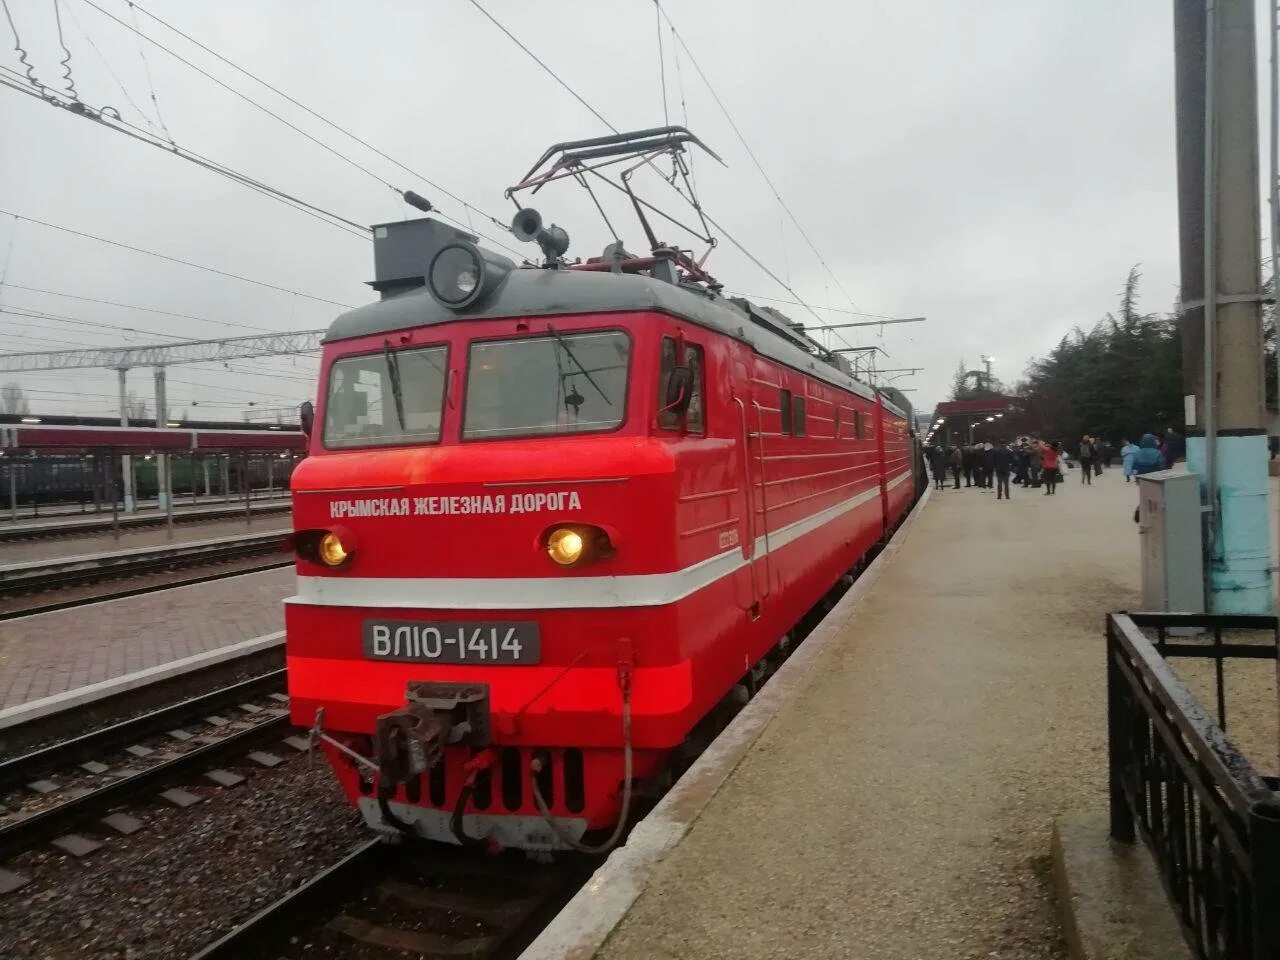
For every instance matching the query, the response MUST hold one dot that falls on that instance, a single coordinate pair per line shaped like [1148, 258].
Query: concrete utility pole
[1216, 90]
[126, 462]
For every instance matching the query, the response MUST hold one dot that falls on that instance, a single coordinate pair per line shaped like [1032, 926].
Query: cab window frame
[544, 334]
[322, 417]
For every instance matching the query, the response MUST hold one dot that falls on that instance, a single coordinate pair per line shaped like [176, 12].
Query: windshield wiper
[585, 372]
[393, 368]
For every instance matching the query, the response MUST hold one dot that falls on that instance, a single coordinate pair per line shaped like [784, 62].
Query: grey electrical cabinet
[1169, 528]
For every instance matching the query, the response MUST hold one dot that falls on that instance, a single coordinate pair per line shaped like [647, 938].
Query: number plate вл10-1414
[475, 641]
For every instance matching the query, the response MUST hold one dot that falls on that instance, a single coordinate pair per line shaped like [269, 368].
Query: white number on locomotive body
[511, 643]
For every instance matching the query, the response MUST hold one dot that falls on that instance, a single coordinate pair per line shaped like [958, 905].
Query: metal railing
[1210, 820]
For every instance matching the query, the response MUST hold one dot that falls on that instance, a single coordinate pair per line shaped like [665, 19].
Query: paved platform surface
[900, 804]
[57, 548]
[54, 652]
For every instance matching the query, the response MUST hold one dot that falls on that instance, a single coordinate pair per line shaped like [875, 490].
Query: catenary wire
[17, 45]
[112, 121]
[247, 99]
[134, 306]
[146, 67]
[65, 62]
[329, 123]
[754, 159]
[185, 263]
[599, 116]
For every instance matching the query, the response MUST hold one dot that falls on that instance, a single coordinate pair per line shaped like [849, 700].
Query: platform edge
[589, 919]
[36, 709]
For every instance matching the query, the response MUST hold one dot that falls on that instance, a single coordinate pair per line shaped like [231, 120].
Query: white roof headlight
[460, 274]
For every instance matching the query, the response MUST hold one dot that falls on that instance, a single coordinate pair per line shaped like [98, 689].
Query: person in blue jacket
[1148, 459]
[1127, 453]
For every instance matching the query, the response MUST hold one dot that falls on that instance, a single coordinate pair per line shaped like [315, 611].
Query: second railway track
[42, 580]
[55, 788]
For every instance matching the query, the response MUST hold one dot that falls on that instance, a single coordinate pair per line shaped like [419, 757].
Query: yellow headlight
[565, 546]
[331, 551]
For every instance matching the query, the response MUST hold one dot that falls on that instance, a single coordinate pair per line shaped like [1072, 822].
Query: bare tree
[13, 400]
[135, 407]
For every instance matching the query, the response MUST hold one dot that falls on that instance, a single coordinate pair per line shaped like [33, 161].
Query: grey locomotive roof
[532, 292]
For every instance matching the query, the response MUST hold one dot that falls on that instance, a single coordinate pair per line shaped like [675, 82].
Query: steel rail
[50, 607]
[50, 822]
[79, 571]
[325, 890]
[24, 768]
[99, 524]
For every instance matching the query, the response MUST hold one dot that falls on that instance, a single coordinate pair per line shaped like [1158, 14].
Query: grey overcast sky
[996, 165]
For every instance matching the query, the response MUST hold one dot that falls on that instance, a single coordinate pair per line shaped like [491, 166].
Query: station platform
[46, 655]
[889, 795]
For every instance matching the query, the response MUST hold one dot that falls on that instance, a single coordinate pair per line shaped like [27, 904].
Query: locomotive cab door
[754, 587]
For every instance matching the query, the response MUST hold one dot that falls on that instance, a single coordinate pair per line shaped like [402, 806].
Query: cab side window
[797, 417]
[784, 413]
[695, 418]
[694, 359]
[667, 419]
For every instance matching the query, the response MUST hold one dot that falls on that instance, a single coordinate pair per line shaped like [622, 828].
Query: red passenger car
[550, 518]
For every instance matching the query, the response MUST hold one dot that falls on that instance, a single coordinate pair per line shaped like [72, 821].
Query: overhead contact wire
[599, 116]
[325, 120]
[185, 263]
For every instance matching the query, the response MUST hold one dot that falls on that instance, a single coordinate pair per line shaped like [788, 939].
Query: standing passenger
[1005, 459]
[1051, 453]
[938, 466]
[956, 459]
[966, 461]
[1127, 453]
[1086, 460]
[1097, 457]
[988, 464]
[1035, 462]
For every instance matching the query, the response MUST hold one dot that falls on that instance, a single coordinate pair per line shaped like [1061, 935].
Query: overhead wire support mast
[157, 354]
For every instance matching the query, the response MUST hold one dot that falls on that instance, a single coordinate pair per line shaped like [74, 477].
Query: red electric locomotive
[553, 514]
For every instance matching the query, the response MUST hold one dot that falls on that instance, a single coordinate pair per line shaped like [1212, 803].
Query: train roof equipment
[427, 272]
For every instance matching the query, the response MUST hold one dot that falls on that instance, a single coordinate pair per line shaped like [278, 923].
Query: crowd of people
[1034, 464]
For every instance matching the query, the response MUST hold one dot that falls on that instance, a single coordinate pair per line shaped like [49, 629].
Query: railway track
[46, 576]
[54, 527]
[418, 900]
[49, 791]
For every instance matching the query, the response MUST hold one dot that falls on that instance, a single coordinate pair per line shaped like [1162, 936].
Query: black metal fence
[1210, 820]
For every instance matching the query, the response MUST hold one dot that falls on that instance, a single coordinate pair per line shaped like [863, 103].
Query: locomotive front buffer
[411, 740]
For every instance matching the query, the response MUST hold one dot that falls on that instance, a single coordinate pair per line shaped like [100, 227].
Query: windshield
[361, 410]
[564, 383]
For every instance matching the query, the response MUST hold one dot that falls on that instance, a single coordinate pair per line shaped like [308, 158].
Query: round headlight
[455, 275]
[331, 551]
[565, 546]
[461, 274]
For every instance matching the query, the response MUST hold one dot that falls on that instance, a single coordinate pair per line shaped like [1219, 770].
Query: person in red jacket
[1051, 452]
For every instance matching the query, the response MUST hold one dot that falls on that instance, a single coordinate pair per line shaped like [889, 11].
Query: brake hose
[545, 810]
